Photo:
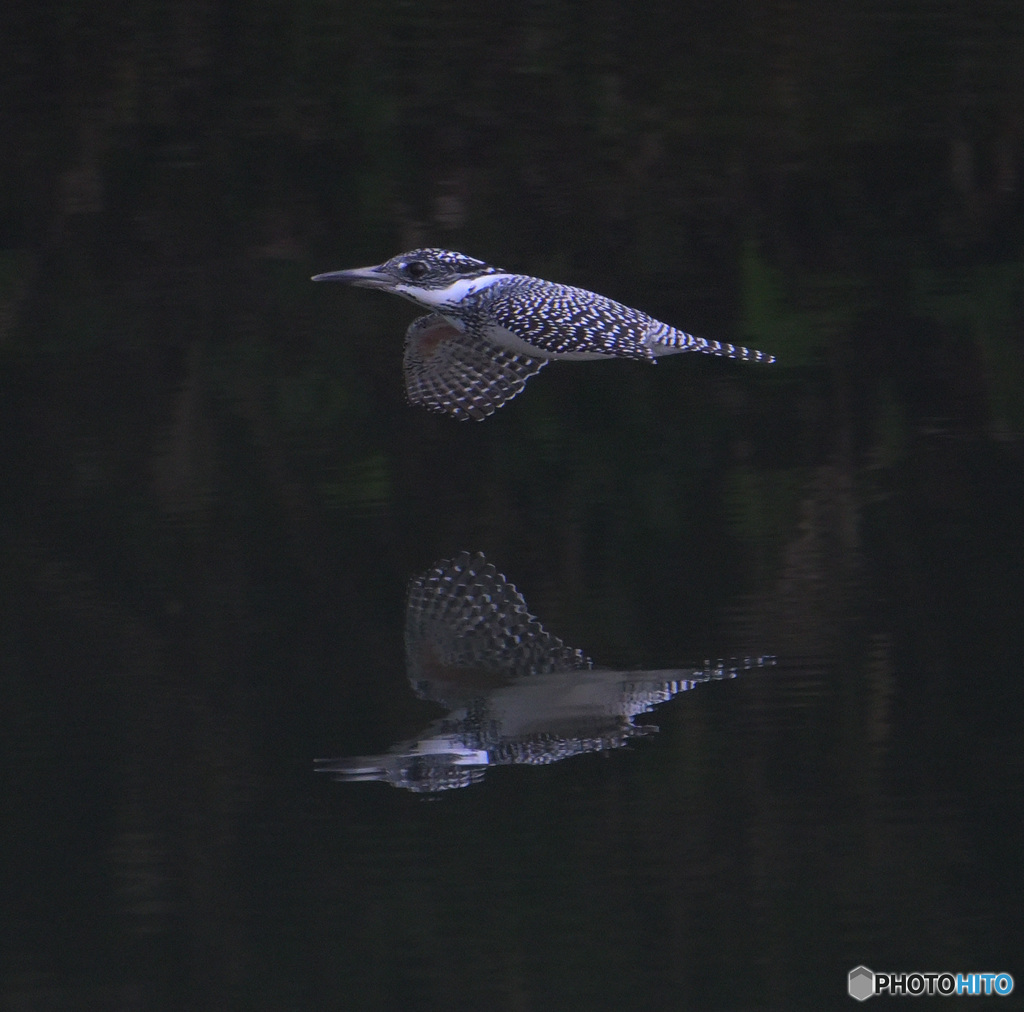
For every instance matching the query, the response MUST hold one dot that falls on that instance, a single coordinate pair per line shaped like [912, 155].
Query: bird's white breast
[504, 338]
[439, 299]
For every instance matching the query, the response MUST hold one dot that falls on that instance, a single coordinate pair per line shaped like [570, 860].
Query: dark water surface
[731, 702]
[188, 635]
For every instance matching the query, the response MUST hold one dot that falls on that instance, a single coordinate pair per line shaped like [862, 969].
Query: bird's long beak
[361, 277]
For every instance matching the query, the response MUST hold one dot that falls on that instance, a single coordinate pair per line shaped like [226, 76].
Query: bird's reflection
[515, 692]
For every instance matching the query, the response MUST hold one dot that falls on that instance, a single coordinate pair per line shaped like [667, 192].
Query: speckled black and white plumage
[449, 371]
[560, 321]
[513, 692]
[463, 615]
[503, 327]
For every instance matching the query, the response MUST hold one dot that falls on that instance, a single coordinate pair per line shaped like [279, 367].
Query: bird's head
[436, 279]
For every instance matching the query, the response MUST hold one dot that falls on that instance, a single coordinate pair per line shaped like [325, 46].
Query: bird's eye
[416, 269]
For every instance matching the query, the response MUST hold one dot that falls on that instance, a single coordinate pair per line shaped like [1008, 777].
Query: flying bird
[487, 331]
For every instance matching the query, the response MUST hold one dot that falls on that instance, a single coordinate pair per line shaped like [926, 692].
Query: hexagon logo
[861, 983]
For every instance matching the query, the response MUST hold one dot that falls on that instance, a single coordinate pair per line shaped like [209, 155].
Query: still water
[687, 686]
[630, 696]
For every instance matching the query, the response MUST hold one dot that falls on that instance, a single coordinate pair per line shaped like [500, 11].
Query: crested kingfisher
[487, 331]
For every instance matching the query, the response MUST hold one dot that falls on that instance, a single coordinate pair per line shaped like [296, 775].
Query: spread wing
[446, 370]
[464, 614]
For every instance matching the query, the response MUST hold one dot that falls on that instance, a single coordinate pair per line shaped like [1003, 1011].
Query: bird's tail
[668, 341]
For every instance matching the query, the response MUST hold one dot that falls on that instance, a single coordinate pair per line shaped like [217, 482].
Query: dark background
[214, 494]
